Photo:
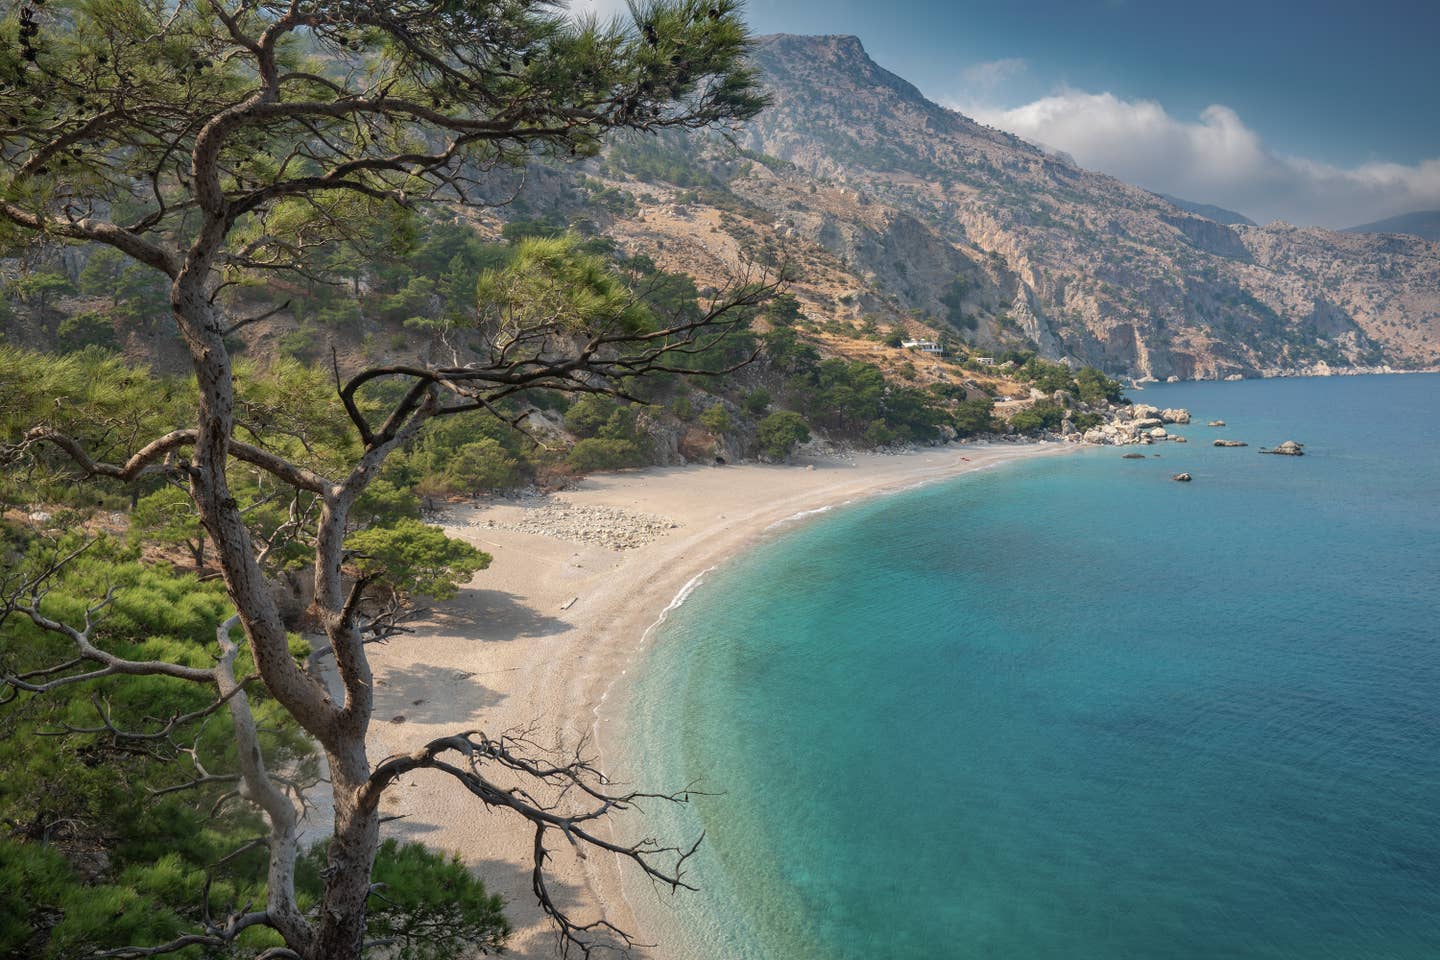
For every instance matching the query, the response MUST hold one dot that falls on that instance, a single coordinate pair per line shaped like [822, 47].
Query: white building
[924, 346]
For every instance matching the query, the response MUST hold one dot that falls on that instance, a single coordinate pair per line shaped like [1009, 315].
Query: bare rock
[1175, 415]
[1158, 433]
[1288, 449]
[1216, 423]
[1230, 443]
[1178, 439]
[1144, 411]
[606, 526]
[1181, 477]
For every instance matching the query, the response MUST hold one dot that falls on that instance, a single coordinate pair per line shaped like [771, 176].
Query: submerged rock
[1230, 443]
[1133, 456]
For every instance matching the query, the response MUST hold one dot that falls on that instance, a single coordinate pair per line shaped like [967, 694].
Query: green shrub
[88, 329]
[780, 433]
[716, 419]
[588, 415]
[756, 401]
[600, 453]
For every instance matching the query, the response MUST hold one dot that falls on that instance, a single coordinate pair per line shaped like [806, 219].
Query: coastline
[546, 638]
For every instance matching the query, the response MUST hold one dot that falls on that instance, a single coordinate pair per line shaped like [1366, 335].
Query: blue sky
[1313, 112]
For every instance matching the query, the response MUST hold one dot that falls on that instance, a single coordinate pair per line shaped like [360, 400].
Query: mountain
[896, 219]
[1210, 211]
[1424, 224]
[893, 202]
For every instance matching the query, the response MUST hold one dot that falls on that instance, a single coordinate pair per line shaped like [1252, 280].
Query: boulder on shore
[1288, 449]
[1158, 433]
[1181, 477]
[1176, 415]
[1144, 411]
[1230, 443]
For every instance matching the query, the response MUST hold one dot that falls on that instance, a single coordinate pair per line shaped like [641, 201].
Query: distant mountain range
[889, 209]
[1218, 214]
[1424, 224]
[1083, 264]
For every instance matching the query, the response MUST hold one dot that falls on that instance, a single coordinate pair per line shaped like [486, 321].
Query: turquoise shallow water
[1072, 709]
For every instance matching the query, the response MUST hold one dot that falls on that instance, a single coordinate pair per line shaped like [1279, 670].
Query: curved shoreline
[546, 637]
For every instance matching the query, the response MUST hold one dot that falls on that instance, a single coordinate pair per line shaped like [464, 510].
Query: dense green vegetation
[265, 209]
[120, 821]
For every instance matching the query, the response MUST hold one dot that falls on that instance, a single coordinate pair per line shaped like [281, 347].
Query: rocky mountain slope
[899, 219]
[1083, 265]
[1211, 212]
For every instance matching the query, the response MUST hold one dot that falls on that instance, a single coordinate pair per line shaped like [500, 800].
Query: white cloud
[1216, 159]
[989, 74]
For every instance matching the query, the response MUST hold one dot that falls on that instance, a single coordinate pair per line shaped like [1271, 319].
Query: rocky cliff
[978, 230]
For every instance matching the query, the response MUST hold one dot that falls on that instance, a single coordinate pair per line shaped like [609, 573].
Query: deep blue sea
[1069, 708]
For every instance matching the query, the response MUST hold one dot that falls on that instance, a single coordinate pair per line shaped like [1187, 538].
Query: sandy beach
[546, 637]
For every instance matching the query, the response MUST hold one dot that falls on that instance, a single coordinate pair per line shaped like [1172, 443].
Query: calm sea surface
[1072, 709]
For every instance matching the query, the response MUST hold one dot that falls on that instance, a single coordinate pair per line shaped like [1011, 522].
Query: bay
[1071, 708]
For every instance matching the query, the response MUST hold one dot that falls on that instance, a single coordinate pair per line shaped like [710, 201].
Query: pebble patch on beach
[607, 526]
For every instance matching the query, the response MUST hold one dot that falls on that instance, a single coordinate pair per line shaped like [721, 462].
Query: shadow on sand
[434, 694]
[493, 616]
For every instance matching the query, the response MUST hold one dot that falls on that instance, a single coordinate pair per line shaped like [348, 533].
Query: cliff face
[992, 235]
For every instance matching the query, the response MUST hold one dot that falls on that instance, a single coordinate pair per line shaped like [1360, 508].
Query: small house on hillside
[924, 346]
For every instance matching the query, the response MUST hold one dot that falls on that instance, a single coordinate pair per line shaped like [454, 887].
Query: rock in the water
[1288, 449]
[1216, 423]
[1176, 415]
[1133, 456]
[1144, 411]
[1181, 477]
[1230, 443]
[1147, 423]
[1179, 440]
[1158, 433]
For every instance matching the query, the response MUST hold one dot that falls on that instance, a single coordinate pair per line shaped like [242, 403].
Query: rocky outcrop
[1144, 411]
[1103, 272]
[606, 526]
[1177, 415]
[1230, 443]
[1288, 449]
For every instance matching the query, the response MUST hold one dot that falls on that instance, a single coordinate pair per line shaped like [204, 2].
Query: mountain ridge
[1218, 214]
[1424, 224]
[1112, 274]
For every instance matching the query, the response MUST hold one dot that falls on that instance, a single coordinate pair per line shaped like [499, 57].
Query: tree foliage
[219, 145]
[781, 432]
[416, 558]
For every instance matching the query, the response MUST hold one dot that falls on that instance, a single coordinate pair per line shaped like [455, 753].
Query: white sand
[509, 653]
